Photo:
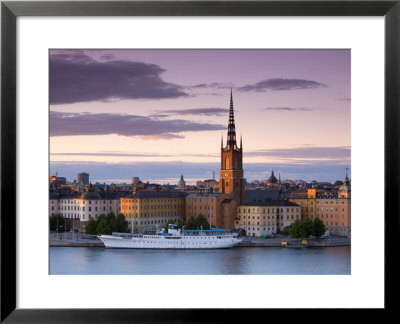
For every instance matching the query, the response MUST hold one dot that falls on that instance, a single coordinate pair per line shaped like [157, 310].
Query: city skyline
[116, 109]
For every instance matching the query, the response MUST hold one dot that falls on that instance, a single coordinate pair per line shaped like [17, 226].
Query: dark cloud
[288, 109]
[70, 124]
[282, 84]
[196, 111]
[339, 152]
[75, 77]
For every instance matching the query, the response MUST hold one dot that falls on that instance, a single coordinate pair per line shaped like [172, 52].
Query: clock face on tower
[226, 175]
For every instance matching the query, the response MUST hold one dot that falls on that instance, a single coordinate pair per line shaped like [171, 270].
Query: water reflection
[236, 261]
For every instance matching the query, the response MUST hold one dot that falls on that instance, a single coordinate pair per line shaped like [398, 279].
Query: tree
[307, 225]
[318, 228]
[191, 223]
[296, 230]
[56, 219]
[181, 223]
[285, 230]
[121, 224]
[201, 221]
[91, 227]
[102, 227]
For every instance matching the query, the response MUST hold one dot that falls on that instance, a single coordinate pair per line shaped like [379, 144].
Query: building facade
[152, 209]
[336, 215]
[84, 207]
[306, 199]
[266, 218]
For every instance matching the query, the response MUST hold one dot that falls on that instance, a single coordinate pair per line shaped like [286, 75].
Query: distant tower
[279, 181]
[83, 178]
[345, 189]
[231, 180]
[181, 183]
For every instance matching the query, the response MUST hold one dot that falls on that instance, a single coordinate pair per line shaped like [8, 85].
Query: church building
[231, 181]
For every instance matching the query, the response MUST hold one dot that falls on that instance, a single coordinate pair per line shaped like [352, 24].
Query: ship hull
[169, 243]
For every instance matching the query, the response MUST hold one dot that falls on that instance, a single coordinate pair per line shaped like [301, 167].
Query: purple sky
[292, 107]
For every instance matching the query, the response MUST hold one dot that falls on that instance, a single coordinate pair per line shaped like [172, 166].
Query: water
[236, 261]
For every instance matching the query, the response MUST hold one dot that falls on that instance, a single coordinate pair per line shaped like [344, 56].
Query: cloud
[288, 109]
[213, 85]
[195, 111]
[70, 124]
[124, 154]
[282, 84]
[119, 154]
[75, 77]
[338, 152]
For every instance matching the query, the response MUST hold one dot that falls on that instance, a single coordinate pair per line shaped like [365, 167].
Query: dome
[90, 194]
[181, 183]
[272, 178]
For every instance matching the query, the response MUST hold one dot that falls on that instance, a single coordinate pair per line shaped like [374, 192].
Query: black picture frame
[10, 10]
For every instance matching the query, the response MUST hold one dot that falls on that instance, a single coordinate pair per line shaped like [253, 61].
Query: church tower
[231, 180]
[345, 189]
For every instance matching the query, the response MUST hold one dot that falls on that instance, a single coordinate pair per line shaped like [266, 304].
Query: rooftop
[270, 202]
[158, 194]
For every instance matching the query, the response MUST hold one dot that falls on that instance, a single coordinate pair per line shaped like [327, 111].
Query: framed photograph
[220, 153]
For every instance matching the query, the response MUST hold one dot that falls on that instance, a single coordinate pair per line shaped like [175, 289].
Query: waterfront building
[152, 209]
[53, 202]
[231, 180]
[207, 204]
[83, 178]
[306, 199]
[219, 209]
[90, 204]
[335, 212]
[266, 217]
[336, 215]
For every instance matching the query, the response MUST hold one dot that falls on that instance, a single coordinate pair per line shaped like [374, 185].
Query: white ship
[174, 239]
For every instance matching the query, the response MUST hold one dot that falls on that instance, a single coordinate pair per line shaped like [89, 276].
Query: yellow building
[149, 210]
[306, 199]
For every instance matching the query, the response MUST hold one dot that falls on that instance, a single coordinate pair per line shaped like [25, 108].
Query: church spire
[346, 180]
[231, 140]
